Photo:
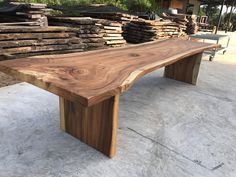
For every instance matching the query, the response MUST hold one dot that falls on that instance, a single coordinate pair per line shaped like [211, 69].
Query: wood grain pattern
[185, 70]
[91, 77]
[25, 29]
[16, 36]
[62, 114]
[95, 125]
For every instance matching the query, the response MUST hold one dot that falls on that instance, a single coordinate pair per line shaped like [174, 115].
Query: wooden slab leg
[95, 125]
[185, 70]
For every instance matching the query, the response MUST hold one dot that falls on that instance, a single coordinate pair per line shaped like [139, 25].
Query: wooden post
[95, 125]
[185, 70]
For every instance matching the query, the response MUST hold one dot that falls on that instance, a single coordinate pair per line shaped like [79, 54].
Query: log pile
[30, 14]
[29, 41]
[140, 31]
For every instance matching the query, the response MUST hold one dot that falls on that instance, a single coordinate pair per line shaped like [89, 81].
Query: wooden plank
[33, 16]
[95, 125]
[20, 29]
[109, 23]
[92, 77]
[75, 20]
[90, 35]
[113, 38]
[185, 70]
[93, 40]
[95, 44]
[113, 31]
[5, 56]
[23, 43]
[27, 49]
[36, 23]
[112, 28]
[36, 11]
[116, 42]
[62, 114]
[16, 36]
[90, 31]
[112, 35]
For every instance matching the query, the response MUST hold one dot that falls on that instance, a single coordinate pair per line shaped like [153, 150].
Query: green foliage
[132, 5]
[212, 11]
[140, 5]
[226, 17]
[229, 25]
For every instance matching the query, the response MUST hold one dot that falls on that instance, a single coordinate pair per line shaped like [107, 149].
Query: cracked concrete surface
[166, 129]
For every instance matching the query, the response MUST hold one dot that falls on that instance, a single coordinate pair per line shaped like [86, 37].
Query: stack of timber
[114, 16]
[192, 26]
[177, 18]
[30, 14]
[21, 41]
[96, 33]
[141, 31]
[188, 21]
[113, 33]
[89, 30]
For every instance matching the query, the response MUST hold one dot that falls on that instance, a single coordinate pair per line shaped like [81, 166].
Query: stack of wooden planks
[99, 11]
[89, 30]
[192, 26]
[96, 33]
[177, 18]
[114, 16]
[189, 22]
[29, 41]
[30, 14]
[140, 31]
[113, 33]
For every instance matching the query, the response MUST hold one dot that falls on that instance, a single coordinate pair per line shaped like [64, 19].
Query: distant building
[183, 6]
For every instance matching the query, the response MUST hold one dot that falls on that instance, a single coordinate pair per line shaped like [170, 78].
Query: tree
[212, 11]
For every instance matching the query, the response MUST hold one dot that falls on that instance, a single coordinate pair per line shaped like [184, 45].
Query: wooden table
[89, 83]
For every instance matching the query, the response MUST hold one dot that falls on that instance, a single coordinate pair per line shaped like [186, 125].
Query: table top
[91, 77]
[208, 36]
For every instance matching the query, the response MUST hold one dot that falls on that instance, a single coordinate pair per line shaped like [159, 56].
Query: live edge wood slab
[89, 83]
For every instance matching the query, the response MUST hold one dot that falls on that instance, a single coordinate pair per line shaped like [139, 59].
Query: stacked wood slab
[192, 26]
[140, 31]
[178, 18]
[89, 31]
[28, 41]
[96, 33]
[113, 33]
[114, 16]
[104, 11]
[187, 21]
[31, 14]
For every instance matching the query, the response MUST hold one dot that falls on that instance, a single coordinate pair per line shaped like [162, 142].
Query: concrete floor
[166, 129]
